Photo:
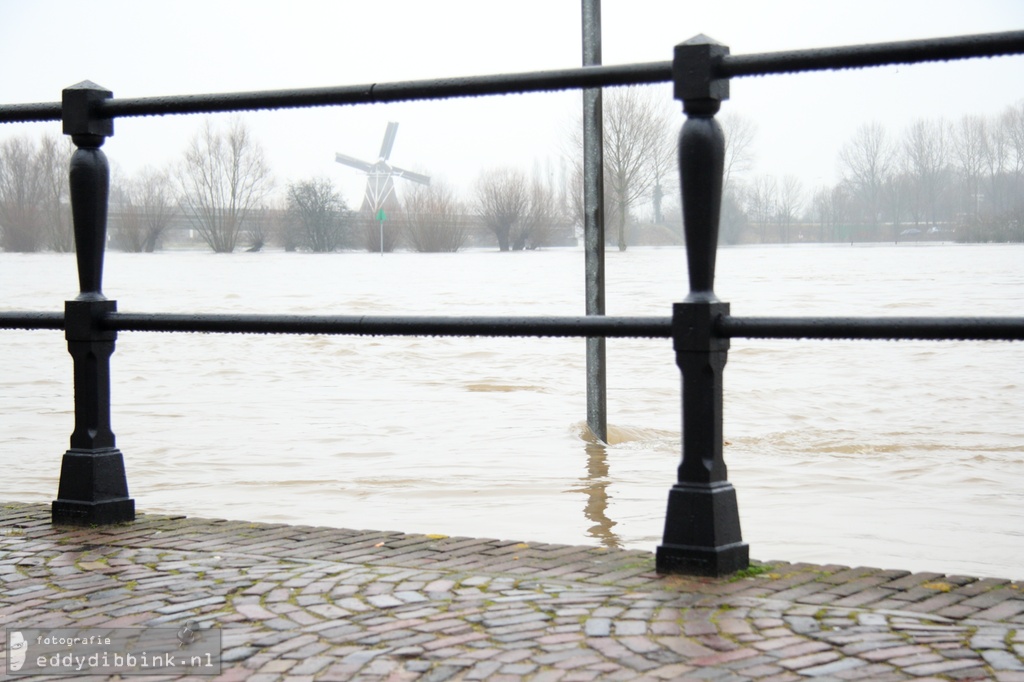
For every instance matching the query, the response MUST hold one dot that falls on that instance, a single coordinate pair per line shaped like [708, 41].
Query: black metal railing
[702, 529]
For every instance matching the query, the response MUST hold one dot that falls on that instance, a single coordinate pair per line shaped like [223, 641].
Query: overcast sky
[192, 46]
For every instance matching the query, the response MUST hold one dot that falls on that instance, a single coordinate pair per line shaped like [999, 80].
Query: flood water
[891, 454]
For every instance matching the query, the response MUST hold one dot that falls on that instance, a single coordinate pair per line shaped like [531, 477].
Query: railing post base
[702, 531]
[93, 489]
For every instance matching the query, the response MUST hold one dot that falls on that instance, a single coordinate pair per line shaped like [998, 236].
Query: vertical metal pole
[702, 523]
[93, 486]
[593, 222]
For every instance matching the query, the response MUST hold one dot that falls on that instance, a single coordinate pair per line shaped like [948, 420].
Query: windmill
[380, 185]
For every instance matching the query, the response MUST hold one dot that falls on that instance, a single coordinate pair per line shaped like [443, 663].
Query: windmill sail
[389, 140]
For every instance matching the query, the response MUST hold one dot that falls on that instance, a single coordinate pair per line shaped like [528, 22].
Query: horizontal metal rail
[864, 328]
[877, 54]
[31, 320]
[382, 325]
[371, 93]
[730, 66]
[837, 328]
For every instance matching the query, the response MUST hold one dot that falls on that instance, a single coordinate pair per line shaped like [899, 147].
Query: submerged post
[93, 486]
[702, 524]
[593, 222]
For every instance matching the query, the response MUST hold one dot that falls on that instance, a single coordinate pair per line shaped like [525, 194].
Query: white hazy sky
[152, 48]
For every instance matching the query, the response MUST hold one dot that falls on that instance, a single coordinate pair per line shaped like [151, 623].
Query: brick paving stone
[696, 628]
[1002, 611]
[943, 667]
[1002, 660]
[630, 627]
[723, 657]
[660, 628]
[1009, 676]
[779, 642]
[802, 649]
[977, 587]
[915, 660]
[717, 642]
[802, 663]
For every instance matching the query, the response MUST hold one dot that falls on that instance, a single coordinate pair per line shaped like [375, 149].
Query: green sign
[380, 215]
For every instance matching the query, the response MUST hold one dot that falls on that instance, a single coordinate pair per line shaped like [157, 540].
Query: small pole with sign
[381, 217]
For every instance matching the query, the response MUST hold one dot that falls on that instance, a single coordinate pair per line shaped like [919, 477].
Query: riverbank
[334, 604]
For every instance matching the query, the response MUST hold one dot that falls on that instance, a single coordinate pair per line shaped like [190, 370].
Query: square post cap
[694, 67]
[77, 105]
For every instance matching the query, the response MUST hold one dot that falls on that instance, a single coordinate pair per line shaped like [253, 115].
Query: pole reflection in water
[595, 486]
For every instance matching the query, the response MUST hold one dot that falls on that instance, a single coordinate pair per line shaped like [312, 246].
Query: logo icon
[188, 633]
[18, 649]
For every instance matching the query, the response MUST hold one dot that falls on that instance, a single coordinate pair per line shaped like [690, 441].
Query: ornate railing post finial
[88, 181]
[93, 486]
[701, 156]
[702, 525]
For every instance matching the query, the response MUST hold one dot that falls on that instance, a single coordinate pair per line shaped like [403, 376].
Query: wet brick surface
[303, 603]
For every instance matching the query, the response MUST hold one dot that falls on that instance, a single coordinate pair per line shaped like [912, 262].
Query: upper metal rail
[727, 326]
[729, 66]
[871, 55]
[371, 93]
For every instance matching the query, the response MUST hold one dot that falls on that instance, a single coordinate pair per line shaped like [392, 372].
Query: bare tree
[790, 199]
[739, 142]
[822, 211]
[637, 130]
[21, 195]
[145, 206]
[969, 148]
[502, 201]
[224, 177]
[127, 225]
[1012, 122]
[897, 195]
[434, 219]
[665, 165]
[733, 217]
[867, 162]
[536, 227]
[258, 226]
[925, 151]
[739, 156]
[318, 214]
[999, 152]
[762, 202]
[53, 159]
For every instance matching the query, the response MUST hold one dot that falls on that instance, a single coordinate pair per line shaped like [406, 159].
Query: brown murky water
[903, 455]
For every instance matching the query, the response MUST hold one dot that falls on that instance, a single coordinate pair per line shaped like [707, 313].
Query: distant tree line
[959, 179]
[34, 208]
[939, 179]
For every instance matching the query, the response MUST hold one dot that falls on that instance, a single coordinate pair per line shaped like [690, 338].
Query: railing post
[702, 524]
[93, 486]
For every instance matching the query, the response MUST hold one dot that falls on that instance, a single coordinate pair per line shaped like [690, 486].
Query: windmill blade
[353, 162]
[389, 140]
[410, 175]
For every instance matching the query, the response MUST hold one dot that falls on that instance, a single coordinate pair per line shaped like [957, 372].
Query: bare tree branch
[224, 177]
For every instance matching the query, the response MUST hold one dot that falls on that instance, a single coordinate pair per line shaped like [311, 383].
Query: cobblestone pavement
[304, 603]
